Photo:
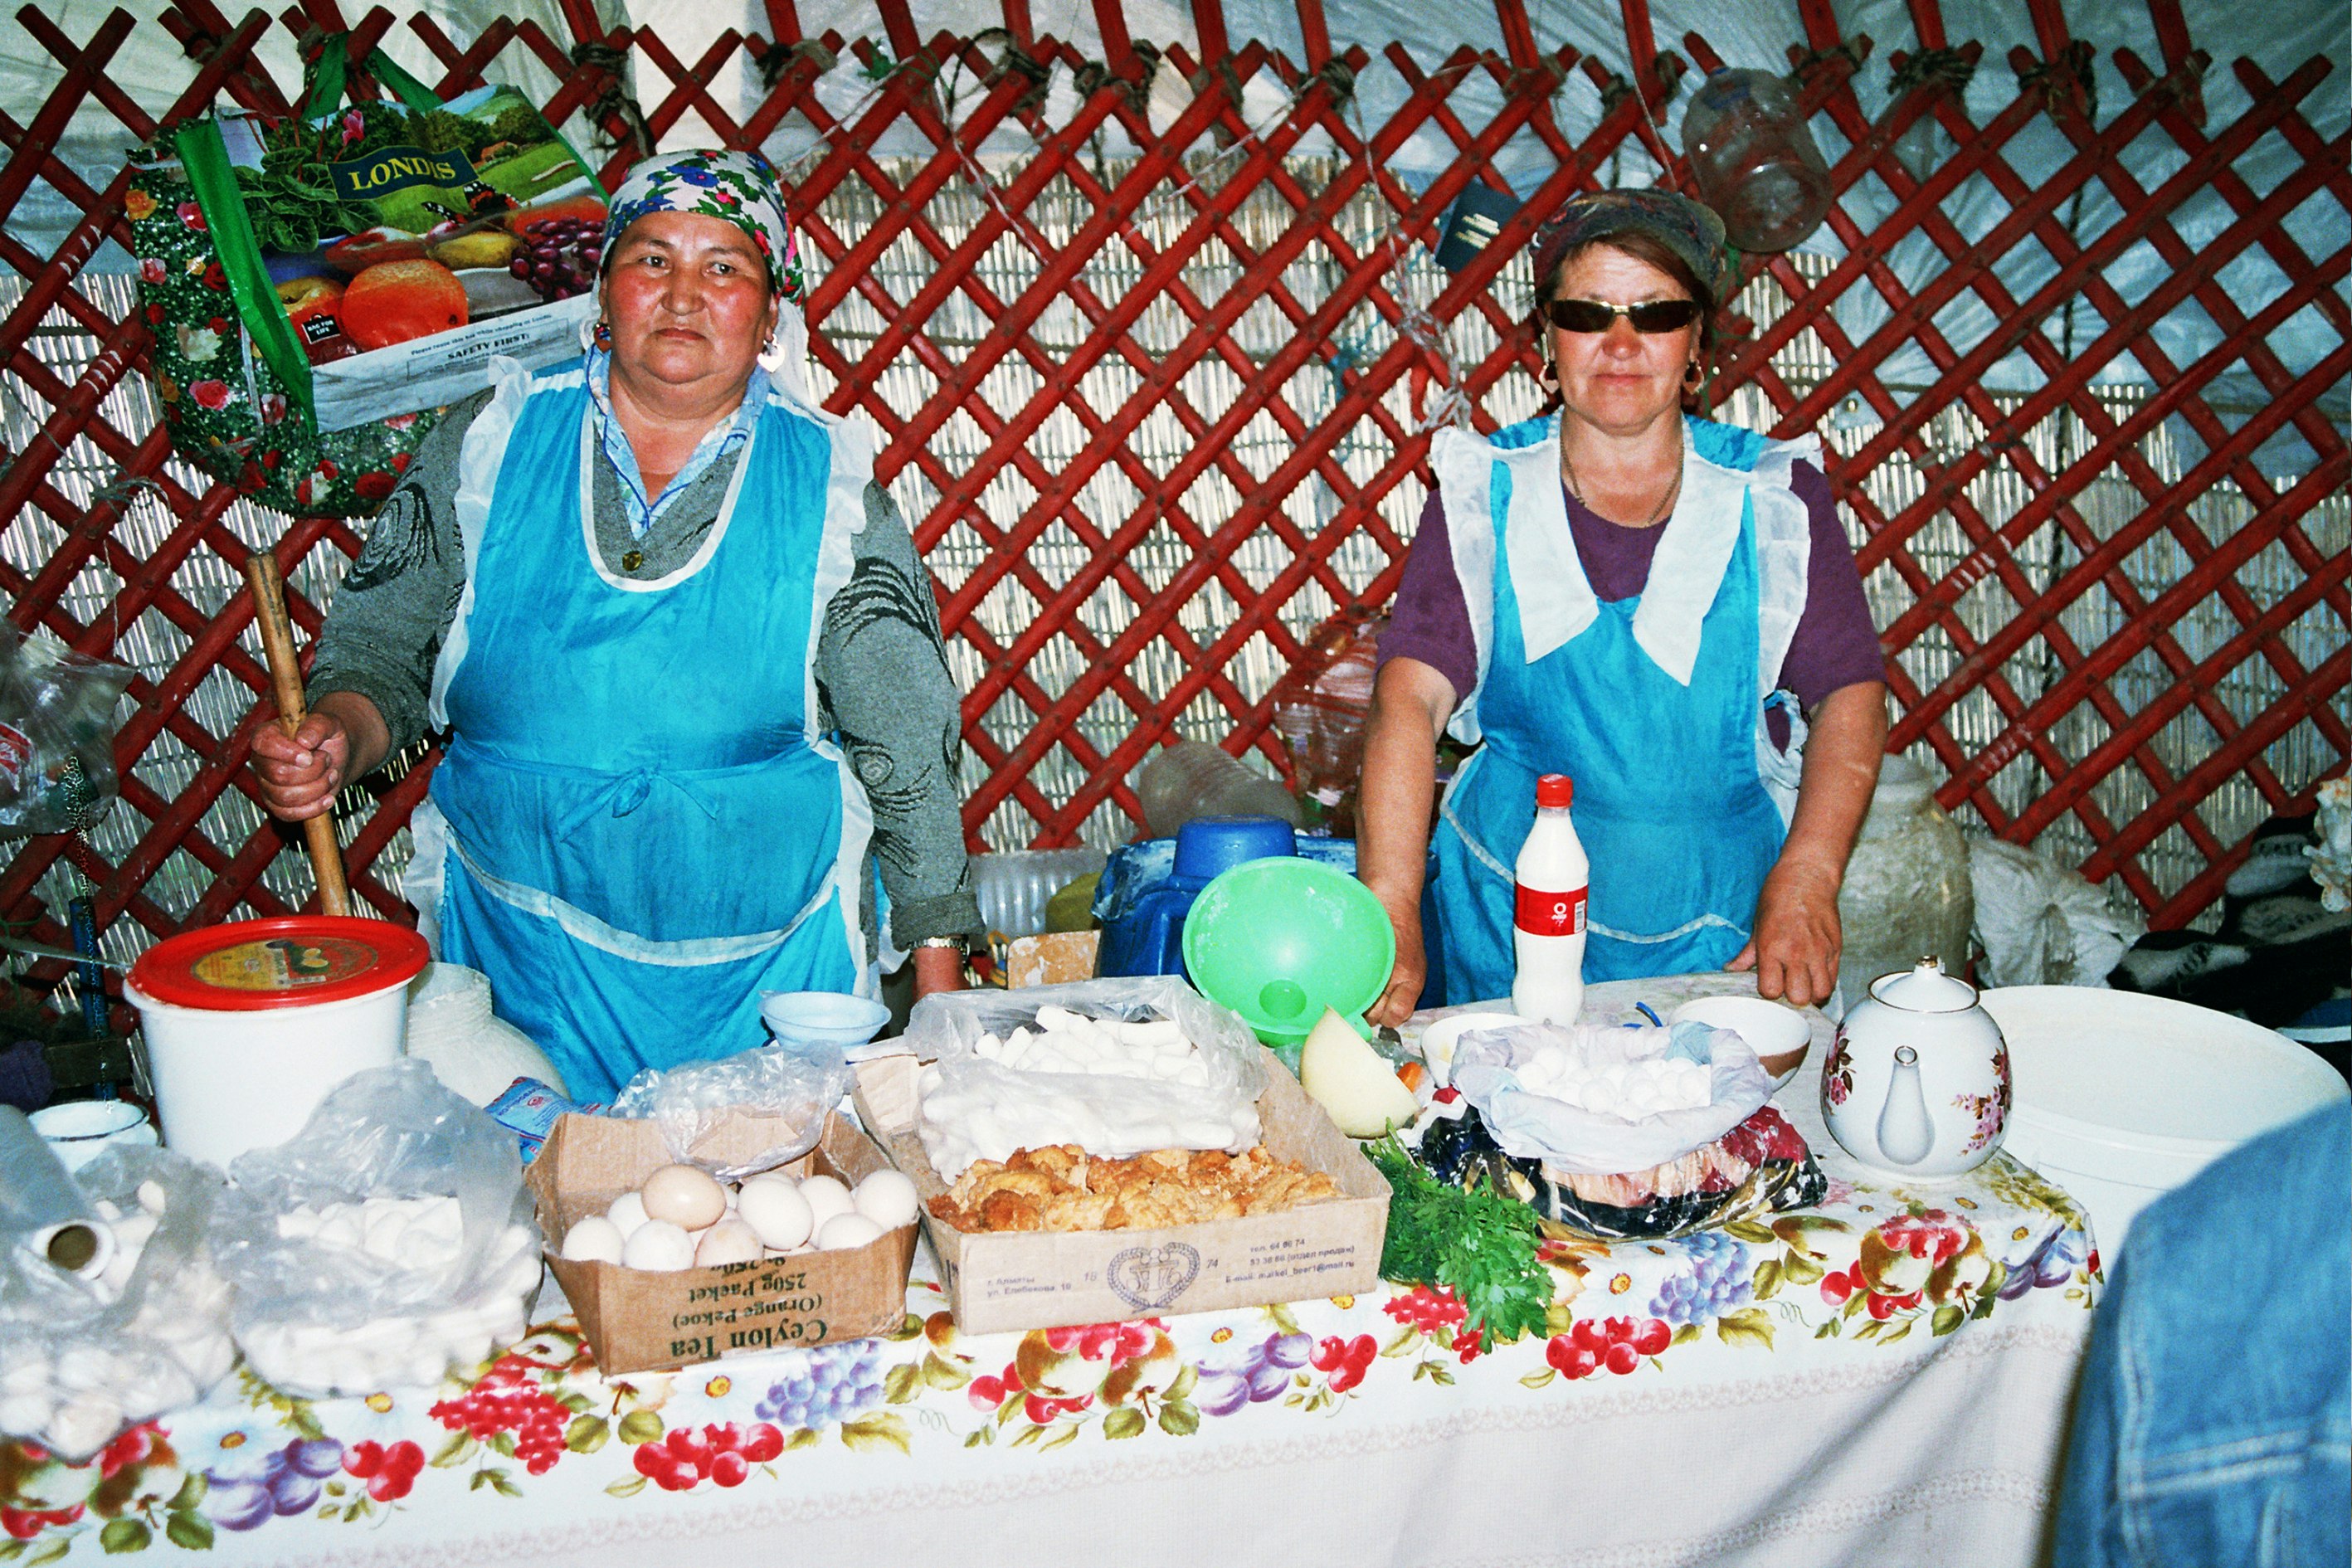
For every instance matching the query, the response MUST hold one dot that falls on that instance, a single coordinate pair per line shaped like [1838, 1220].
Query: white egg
[772, 1207]
[685, 1196]
[846, 1230]
[826, 1197]
[887, 1198]
[628, 1212]
[729, 1241]
[658, 1246]
[595, 1239]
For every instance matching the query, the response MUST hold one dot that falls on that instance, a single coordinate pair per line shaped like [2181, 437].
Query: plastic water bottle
[1547, 921]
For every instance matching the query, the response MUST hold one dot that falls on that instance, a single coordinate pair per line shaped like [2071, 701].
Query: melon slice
[1353, 1081]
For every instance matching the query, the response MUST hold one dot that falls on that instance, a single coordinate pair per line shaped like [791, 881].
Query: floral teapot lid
[1924, 989]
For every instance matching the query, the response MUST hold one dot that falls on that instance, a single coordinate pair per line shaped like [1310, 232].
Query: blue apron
[1652, 704]
[644, 827]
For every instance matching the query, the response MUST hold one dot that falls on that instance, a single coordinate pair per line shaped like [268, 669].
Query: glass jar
[1754, 160]
[1907, 894]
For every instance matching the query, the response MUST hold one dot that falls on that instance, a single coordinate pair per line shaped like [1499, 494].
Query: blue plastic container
[1207, 847]
[1148, 887]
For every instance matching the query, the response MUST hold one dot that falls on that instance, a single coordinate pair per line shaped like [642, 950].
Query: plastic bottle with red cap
[1547, 917]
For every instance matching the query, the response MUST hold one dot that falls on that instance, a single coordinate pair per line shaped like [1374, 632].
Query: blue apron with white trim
[645, 827]
[1669, 804]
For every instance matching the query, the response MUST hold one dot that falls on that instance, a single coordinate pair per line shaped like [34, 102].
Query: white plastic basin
[2122, 1097]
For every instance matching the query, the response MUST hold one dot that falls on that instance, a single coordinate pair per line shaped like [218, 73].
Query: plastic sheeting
[2291, 32]
[1757, 36]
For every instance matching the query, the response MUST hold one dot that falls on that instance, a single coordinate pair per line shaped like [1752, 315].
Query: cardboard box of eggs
[798, 1256]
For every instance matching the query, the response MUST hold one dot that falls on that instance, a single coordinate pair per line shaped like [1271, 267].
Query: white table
[1762, 1436]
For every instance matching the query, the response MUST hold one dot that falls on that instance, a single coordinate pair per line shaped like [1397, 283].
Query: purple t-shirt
[1835, 644]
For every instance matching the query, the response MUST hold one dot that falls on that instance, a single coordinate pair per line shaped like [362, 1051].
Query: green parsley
[1480, 1243]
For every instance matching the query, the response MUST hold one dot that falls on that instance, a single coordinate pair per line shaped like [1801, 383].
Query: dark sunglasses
[1649, 316]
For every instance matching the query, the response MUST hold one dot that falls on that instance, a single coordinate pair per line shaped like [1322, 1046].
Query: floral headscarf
[739, 188]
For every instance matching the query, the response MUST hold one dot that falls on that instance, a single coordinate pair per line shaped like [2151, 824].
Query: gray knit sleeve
[882, 677]
[395, 606]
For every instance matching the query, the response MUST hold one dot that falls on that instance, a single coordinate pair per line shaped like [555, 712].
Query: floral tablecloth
[1883, 1378]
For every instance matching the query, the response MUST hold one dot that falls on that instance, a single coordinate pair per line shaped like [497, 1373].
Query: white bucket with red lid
[249, 1024]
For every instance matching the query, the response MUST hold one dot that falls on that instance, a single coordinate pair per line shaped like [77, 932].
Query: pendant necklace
[1673, 491]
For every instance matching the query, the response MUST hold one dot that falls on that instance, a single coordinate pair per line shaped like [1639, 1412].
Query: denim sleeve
[2087, 1533]
[2214, 1423]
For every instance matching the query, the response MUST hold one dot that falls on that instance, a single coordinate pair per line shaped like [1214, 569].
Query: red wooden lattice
[1385, 391]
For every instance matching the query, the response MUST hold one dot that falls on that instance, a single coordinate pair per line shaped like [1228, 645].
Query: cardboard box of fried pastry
[636, 1321]
[1007, 1281]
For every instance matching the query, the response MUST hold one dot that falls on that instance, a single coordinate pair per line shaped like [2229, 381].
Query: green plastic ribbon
[331, 76]
[214, 182]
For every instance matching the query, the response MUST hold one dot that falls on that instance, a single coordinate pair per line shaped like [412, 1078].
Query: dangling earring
[1549, 374]
[604, 335]
[1692, 375]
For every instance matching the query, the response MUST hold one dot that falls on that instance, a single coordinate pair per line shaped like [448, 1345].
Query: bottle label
[1539, 913]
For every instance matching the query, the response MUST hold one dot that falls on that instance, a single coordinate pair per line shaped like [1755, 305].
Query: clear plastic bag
[387, 1242]
[2042, 924]
[977, 1107]
[794, 1088]
[1589, 1174]
[56, 736]
[1531, 1126]
[83, 1360]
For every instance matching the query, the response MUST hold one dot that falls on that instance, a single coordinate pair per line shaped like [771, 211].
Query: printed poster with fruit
[321, 286]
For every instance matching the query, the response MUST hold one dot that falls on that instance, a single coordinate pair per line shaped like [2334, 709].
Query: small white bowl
[80, 1130]
[1778, 1033]
[831, 1017]
[1439, 1040]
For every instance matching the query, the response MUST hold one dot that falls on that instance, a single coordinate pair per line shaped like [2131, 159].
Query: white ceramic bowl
[1778, 1033]
[80, 1130]
[832, 1017]
[1440, 1039]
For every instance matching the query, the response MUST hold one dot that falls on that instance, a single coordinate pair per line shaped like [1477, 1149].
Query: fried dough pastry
[1060, 1188]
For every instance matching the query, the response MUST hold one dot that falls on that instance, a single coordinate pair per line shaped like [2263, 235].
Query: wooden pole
[285, 679]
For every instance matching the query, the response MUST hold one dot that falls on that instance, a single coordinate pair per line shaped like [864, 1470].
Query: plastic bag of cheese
[387, 1242]
[1625, 1113]
[83, 1359]
[1117, 1066]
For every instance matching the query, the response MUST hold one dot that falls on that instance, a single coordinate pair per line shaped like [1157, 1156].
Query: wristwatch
[957, 942]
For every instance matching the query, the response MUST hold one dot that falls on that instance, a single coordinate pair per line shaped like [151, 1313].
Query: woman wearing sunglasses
[1661, 608]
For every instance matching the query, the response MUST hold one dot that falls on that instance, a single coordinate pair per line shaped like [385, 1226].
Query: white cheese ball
[595, 1239]
[685, 1196]
[826, 1197]
[887, 1198]
[772, 1207]
[658, 1246]
[843, 1231]
[628, 1212]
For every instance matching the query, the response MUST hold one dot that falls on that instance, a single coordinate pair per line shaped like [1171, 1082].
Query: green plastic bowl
[1279, 939]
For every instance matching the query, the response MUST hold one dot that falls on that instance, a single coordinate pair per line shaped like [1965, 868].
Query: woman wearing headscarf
[1655, 604]
[687, 663]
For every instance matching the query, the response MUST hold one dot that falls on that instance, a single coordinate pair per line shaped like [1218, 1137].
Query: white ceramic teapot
[1917, 1084]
